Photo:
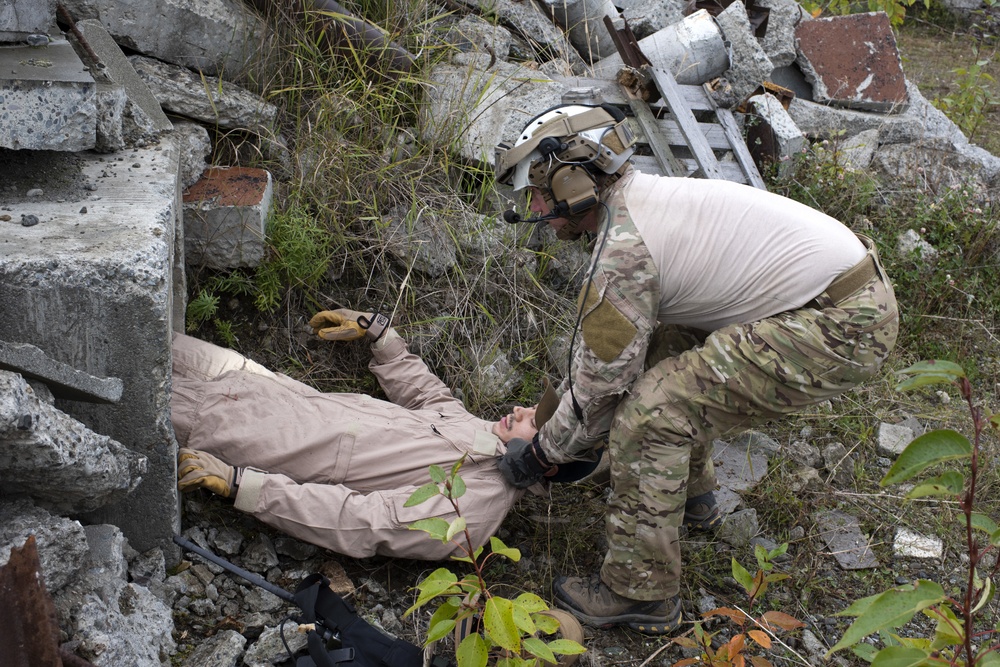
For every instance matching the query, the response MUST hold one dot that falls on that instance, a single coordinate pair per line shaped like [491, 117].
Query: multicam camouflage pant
[741, 376]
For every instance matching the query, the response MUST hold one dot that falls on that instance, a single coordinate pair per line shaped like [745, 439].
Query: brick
[225, 217]
[852, 61]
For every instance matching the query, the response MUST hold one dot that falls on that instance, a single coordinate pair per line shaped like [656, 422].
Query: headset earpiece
[573, 189]
[550, 145]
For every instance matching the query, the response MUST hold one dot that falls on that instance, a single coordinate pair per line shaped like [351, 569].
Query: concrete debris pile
[106, 197]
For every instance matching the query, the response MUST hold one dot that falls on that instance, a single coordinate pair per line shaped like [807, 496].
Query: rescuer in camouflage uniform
[709, 307]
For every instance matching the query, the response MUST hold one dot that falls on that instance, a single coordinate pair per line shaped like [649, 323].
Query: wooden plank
[696, 141]
[740, 151]
[731, 171]
[654, 135]
[714, 134]
[610, 92]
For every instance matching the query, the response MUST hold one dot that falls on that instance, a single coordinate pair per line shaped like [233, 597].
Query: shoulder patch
[605, 330]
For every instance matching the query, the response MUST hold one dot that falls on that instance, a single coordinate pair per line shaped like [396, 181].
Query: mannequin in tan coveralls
[336, 469]
[708, 307]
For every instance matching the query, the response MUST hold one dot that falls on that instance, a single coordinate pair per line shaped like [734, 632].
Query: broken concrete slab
[772, 135]
[583, 20]
[842, 535]
[62, 380]
[464, 103]
[47, 99]
[141, 120]
[195, 146]
[852, 61]
[217, 37]
[938, 164]
[20, 18]
[207, 99]
[646, 17]
[693, 50]
[95, 275]
[62, 543]
[738, 464]
[225, 217]
[54, 459]
[476, 34]
[821, 121]
[909, 544]
[536, 37]
[779, 39]
[856, 152]
[749, 65]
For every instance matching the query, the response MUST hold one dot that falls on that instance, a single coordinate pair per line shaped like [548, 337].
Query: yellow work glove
[344, 324]
[200, 470]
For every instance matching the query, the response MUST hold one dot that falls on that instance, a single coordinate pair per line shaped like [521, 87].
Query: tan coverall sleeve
[406, 380]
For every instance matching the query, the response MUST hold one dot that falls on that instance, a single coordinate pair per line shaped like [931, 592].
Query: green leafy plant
[962, 635]
[895, 9]
[750, 632]
[500, 628]
[969, 104]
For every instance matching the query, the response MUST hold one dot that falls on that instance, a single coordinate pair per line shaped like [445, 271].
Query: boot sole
[649, 625]
[703, 523]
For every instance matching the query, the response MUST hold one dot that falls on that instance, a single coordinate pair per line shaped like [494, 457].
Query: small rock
[37, 39]
[5, 217]
[29, 220]
[35, 192]
[259, 555]
[83, 210]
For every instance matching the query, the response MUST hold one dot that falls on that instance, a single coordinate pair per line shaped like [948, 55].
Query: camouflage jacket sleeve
[619, 315]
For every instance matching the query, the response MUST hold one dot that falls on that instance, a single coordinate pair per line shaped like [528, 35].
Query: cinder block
[225, 217]
[852, 61]
[47, 99]
[90, 283]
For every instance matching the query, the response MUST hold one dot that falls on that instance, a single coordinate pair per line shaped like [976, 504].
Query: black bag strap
[372, 648]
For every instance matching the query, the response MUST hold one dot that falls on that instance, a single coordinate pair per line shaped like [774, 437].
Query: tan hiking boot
[591, 601]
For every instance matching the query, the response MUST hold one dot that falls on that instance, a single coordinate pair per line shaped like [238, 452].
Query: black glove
[524, 463]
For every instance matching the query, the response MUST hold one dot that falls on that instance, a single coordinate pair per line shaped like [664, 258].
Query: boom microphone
[513, 217]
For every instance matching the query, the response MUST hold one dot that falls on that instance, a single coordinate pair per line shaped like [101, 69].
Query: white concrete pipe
[693, 50]
[584, 21]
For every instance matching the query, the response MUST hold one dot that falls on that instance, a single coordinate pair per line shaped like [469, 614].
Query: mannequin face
[518, 424]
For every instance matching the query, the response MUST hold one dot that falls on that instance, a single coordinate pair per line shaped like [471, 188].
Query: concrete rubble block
[421, 241]
[845, 541]
[646, 17]
[893, 439]
[48, 101]
[909, 544]
[938, 164]
[583, 20]
[217, 37]
[822, 121]
[63, 381]
[195, 146]
[109, 621]
[909, 244]
[772, 136]
[54, 459]
[62, 543]
[208, 99]
[693, 50]
[856, 152]
[222, 649]
[474, 33]
[779, 39]
[482, 107]
[225, 217]
[538, 38]
[269, 649]
[852, 61]
[749, 65]
[95, 275]
[20, 18]
[141, 120]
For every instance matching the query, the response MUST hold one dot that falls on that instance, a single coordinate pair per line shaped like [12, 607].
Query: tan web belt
[850, 281]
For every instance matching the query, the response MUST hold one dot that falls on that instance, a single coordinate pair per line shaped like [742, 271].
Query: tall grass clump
[371, 216]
